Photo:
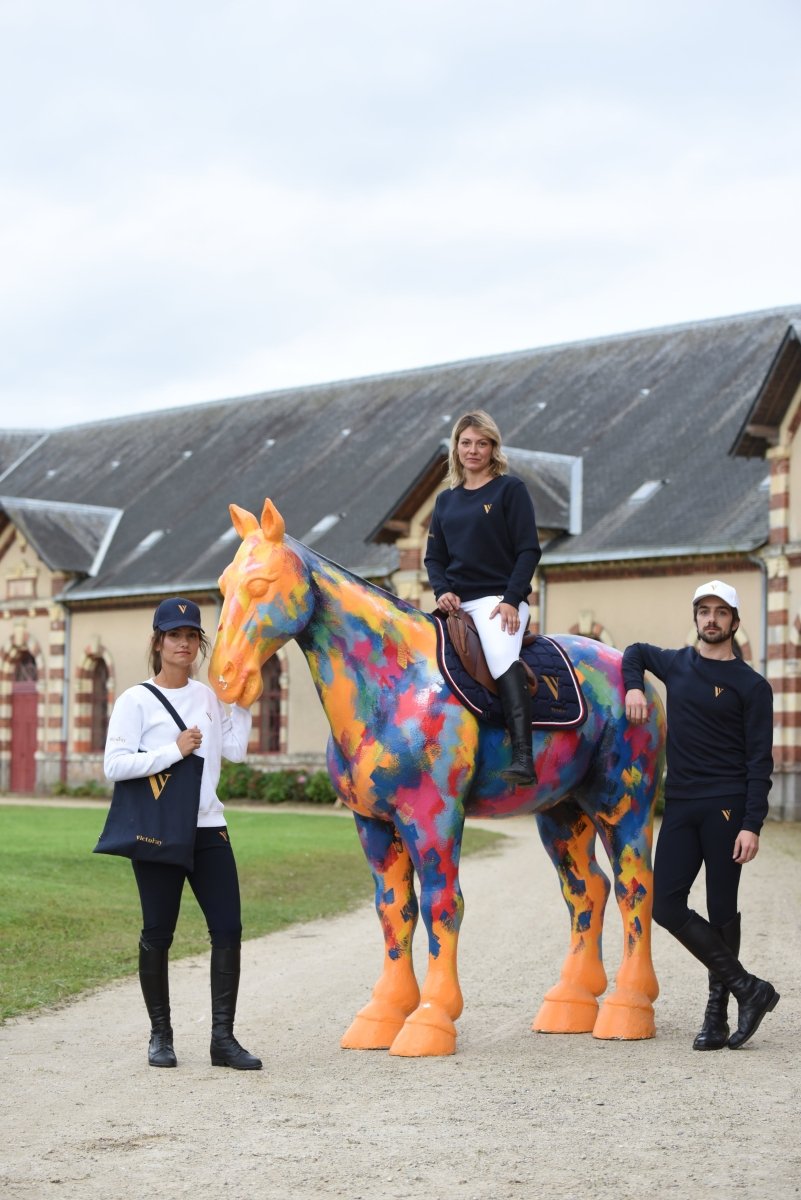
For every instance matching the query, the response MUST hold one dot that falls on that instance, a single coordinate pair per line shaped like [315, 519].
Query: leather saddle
[467, 644]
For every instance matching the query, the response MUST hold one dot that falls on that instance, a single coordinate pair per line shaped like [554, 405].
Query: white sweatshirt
[142, 738]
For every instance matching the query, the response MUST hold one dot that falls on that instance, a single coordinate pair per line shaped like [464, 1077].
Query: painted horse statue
[411, 762]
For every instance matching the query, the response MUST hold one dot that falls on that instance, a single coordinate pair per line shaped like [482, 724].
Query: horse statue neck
[357, 631]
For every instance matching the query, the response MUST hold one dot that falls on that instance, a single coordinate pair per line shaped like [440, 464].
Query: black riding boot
[156, 991]
[225, 1049]
[714, 1033]
[755, 997]
[516, 704]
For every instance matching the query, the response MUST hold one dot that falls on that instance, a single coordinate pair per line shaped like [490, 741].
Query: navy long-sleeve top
[483, 541]
[720, 725]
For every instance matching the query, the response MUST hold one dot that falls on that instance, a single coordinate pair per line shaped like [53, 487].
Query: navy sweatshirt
[483, 541]
[720, 725]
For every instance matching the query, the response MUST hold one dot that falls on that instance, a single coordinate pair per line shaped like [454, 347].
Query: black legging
[213, 880]
[697, 833]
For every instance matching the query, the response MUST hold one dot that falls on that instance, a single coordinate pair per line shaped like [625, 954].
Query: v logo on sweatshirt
[719, 692]
[487, 507]
[727, 813]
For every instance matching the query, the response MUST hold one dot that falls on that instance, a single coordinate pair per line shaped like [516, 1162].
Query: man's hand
[746, 847]
[636, 706]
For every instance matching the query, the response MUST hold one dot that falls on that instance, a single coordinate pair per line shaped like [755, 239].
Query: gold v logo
[158, 783]
[718, 691]
[727, 813]
[552, 684]
[487, 507]
[182, 608]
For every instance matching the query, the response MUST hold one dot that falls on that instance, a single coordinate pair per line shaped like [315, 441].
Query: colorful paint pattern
[412, 763]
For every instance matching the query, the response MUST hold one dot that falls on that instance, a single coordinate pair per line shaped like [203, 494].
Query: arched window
[268, 721]
[99, 706]
[25, 668]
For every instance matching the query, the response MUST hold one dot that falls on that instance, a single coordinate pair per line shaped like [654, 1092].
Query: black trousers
[213, 880]
[697, 833]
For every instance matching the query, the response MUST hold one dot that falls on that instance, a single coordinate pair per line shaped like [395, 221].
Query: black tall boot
[755, 997]
[225, 1049]
[714, 1033]
[516, 704]
[153, 978]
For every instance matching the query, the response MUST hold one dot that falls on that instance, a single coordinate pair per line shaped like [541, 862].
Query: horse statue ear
[272, 523]
[243, 521]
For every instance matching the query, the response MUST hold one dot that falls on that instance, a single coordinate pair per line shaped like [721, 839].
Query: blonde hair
[483, 422]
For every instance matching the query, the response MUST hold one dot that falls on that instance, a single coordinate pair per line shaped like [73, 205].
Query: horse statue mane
[412, 762]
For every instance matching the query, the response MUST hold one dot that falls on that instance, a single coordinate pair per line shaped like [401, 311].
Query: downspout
[542, 592]
[763, 567]
[65, 693]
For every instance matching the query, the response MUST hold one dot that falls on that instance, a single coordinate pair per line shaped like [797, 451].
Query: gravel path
[512, 1114]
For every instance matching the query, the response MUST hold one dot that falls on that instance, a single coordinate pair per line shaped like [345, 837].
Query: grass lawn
[71, 919]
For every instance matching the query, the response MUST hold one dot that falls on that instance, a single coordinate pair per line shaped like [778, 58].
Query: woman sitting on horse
[482, 552]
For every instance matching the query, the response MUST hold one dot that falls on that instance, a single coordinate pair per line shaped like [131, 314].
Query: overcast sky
[209, 199]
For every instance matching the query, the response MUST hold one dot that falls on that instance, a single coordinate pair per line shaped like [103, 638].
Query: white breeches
[500, 647]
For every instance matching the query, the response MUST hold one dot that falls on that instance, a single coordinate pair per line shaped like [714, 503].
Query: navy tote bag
[154, 818]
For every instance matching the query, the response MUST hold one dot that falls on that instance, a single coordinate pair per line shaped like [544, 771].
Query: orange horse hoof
[374, 1027]
[567, 1008]
[625, 1016]
[429, 1031]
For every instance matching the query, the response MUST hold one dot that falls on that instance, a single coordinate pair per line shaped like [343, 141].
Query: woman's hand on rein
[188, 740]
[449, 602]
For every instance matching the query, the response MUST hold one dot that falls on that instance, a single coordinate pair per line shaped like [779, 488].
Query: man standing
[719, 766]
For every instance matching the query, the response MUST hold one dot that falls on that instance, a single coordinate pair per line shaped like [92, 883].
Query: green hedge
[91, 790]
[238, 781]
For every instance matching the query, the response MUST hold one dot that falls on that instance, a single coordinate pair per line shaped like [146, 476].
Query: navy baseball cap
[177, 613]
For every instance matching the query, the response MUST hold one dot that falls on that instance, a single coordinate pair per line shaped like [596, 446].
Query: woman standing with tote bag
[143, 740]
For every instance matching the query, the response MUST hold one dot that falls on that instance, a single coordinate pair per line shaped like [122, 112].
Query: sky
[213, 199]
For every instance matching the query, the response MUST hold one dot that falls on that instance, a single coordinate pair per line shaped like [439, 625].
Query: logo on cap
[175, 612]
[723, 591]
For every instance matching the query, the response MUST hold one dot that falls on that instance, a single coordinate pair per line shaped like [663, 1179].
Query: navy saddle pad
[558, 704]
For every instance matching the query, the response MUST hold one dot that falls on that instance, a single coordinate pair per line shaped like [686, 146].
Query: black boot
[755, 997]
[225, 1049]
[156, 991]
[714, 1033]
[516, 703]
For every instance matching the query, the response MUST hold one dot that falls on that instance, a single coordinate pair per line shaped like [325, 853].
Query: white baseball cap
[723, 591]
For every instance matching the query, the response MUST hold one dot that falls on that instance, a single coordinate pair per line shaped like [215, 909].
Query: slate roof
[67, 537]
[760, 429]
[663, 405]
[14, 443]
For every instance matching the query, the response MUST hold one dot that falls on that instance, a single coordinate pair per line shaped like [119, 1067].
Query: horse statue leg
[396, 993]
[430, 1029]
[627, 1012]
[571, 1006]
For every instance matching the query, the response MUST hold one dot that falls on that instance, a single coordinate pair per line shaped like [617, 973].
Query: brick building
[656, 460]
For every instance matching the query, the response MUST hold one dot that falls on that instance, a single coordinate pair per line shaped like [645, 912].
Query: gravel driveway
[512, 1114]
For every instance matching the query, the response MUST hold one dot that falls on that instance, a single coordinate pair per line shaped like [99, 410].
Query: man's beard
[713, 637]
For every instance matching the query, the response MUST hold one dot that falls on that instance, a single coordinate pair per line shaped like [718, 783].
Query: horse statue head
[266, 601]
